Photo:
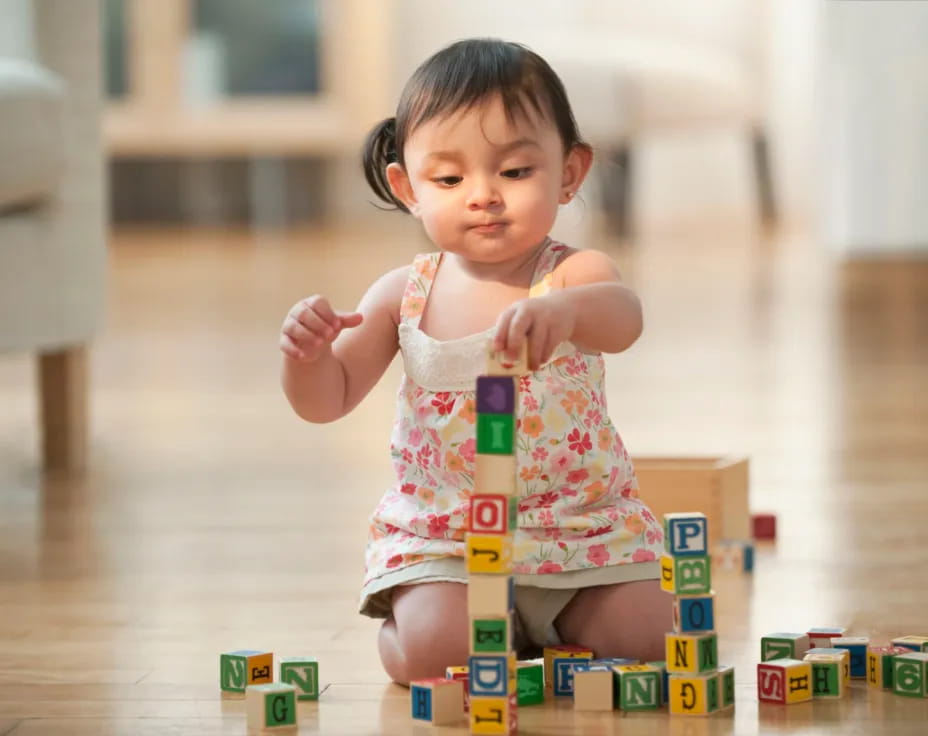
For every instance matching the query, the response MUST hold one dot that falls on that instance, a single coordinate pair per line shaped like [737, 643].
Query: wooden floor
[212, 519]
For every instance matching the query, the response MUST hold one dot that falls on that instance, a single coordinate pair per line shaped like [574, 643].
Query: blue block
[748, 558]
[696, 614]
[488, 675]
[563, 681]
[421, 703]
[687, 536]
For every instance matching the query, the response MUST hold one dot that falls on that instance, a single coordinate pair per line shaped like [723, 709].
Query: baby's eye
[517, 173]
[447, 181]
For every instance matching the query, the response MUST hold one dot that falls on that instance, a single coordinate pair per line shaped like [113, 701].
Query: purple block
[496, 394]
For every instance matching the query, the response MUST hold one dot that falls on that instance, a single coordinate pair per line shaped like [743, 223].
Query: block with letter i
[270, 708]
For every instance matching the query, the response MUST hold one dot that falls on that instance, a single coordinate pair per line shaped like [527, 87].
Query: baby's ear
[576, 167]
[402, 188]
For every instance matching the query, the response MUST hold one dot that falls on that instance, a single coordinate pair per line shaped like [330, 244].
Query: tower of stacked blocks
[697, 684]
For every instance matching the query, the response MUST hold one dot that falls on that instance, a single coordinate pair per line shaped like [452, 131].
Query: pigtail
[379, 151]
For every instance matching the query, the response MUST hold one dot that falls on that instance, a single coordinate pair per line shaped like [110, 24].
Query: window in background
[115, 65]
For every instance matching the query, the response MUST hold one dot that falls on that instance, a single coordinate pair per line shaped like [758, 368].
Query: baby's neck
[514, 272]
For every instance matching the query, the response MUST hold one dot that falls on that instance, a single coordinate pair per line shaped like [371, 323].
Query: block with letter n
[244, 667]
[303, 674]
[637, 687]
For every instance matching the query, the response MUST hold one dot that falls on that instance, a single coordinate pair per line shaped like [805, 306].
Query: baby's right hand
[311, 326]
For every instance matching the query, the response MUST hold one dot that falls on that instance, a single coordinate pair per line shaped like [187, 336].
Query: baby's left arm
[588, 305]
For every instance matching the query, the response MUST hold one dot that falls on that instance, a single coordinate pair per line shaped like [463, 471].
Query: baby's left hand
[546, 321]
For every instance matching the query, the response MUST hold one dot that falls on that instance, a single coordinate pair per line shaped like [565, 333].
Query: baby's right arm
[324, 381]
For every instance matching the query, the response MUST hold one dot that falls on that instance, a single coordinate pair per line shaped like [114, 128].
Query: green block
[233, 673]
[530, 682]
[303, 674]
[279, 707]
[712, 694]
[826, 679]
[910, 674]
[779, 646]
[495, 434]
[637, 690]
[727, 685]
[691, 575]
[708, 653]
[490, 635]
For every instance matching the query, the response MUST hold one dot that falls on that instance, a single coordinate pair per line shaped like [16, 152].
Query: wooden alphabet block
[784, 681]
[562, 673]
[492, 675]
[783, 645]
[637, 687]
[912, 642]
[530, 682]
[494, 715]
[270, 707]
[693, 613]
[493, 514]
[665, 681]
[490, 596]
[845, 656]
[244, 667]
[821, 637]
[562, 651]
[692, 653]
[496, 395]
[694, 695]
[495, 474]
[828, 679]
[303, 674]
[495, 434]
[726, 675]
[880, 666]
[491, 635]
[489, 554]
[686, 534]
[437, 701]
[686, 575]
[592, 687]
[910, 674]
[499, 364]
[857, 646]
[462, 674]
[731, 554]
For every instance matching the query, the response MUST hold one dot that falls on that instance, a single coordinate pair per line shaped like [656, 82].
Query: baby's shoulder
[581, 265]
[386, 293]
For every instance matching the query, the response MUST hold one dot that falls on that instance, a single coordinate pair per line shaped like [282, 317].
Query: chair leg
[63, 386]
[764, 178]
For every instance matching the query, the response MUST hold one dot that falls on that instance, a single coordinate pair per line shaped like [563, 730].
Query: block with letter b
[784, 681]
[562, 651]
[686, 575]
[783, 645]
[493, 513]
[438, 701]
[489, 554]
[686, 534]
[693, 613]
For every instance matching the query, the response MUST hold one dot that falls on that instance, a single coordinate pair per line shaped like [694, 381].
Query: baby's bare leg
[426, 633]
[621, 620]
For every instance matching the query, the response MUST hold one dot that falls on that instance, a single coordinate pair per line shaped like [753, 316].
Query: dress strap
[544, 267]
[421, 276]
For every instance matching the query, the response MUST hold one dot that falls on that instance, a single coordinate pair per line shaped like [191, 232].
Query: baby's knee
[423, 649]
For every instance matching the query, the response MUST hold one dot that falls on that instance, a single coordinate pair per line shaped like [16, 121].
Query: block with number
[592, 686]
[270, 707]
[489, 554]
[880, 666]
[493, 514]
[726, 675]
[857, 646]
[828, 679]
[783, 645]
[694, 613]
[244, 667]
[460, 673]
[530, 682]
[910, 674]
[692, 653]
[686, 534]
[438, 701]
[912, 642]
[694, 695]
[562, 651]
[784, 681]
[637, 687]
[686, 575]
[490, 596]
[303, 674]
[822, 636]
[491, 635]
[494, 715]
[495, 474]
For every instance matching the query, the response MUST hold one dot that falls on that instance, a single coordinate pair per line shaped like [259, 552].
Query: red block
[764, 526]
[771, 684]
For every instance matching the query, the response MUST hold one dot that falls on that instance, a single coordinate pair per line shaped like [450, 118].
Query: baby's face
[485, 188]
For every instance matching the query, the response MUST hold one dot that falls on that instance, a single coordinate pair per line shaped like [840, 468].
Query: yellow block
[489, 553]
[561, 651]
[799, 682]
[693, 695]
[691, 653]
[496, 715]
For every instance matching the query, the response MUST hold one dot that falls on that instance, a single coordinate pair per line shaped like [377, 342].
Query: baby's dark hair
[459, 77]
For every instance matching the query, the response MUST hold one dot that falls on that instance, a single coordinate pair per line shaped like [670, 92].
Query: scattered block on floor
[692, 653]
[530, 682]
[244, 667]
[438, 701]
[764, 526]
[562, 651]
[592, 686]
[461, 673]
[857, 646]
[693, 613]
[912, 642]
[637, 687]
[828, 674]
[694, 695]
[665, 683]
[784, 681]
[562, 677]
[494, 715]
[303, 674]
[784, 645]
[910, 674]
[822, 636]
[270, 707]
[734, 555]
[714, 486]
[686, 575]
[880, 666]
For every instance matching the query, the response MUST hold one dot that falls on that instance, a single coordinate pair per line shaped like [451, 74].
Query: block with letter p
[686, 534]
[686, 575]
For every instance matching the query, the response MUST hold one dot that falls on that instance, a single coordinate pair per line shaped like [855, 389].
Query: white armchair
[52, 221]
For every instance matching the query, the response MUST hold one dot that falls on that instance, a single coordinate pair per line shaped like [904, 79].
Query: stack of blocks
[270, 706]
[697, 684]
